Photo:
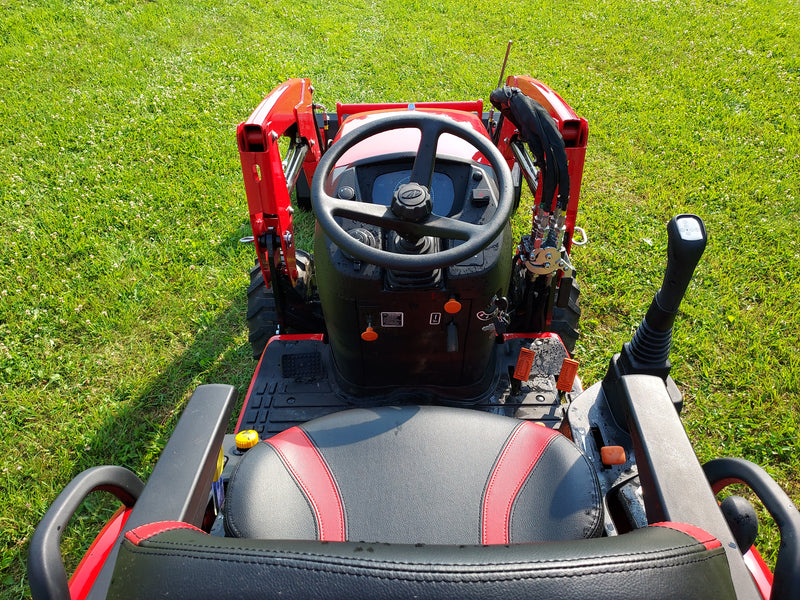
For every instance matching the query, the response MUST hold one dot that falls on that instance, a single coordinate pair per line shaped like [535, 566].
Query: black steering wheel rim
[432, 126]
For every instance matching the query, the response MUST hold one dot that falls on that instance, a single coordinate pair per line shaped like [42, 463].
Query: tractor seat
[415, 475]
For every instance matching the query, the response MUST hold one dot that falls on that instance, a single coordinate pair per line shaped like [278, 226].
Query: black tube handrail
[722, 472]
[46, 571]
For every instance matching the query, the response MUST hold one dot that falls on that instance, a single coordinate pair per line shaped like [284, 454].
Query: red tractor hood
[408, 140]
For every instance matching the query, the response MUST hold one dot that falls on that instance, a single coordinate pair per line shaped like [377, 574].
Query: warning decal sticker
[391, 319]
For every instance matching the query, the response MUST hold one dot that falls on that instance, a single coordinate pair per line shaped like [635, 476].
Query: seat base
[415, 474]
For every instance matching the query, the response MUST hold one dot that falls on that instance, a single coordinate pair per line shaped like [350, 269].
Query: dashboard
[442, 192]
[378, 181]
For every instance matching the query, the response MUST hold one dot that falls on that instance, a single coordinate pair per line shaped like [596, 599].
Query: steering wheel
[411, 213]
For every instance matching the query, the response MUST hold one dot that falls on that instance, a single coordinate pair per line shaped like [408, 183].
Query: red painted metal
[92, 562]
[760, 572]
[287, 106]
[408, 139]
[346, 110]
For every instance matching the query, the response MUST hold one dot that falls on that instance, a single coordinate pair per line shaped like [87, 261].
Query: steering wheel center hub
[412, 202]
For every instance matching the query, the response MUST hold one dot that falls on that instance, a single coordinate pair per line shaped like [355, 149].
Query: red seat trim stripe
[311, 473]
[516, 461]
[144, 532]
[701, 535]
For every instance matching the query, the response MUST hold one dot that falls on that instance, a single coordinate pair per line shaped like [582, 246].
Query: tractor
[416, 425]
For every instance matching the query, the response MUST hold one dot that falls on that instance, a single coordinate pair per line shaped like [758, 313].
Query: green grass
[121, 202]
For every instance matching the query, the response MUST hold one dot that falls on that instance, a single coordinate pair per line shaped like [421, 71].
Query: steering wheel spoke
[364, 212]
[425, 161]
[382, 216]
[446, 227]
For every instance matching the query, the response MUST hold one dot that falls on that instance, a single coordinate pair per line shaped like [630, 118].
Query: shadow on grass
[139, 421]
[134, 435]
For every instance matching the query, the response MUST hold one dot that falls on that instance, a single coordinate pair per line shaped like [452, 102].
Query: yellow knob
[246, 439]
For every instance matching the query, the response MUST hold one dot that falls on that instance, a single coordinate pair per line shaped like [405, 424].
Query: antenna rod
[491, 124]
[505, 60]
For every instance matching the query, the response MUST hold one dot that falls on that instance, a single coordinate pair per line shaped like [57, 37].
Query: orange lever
[369, 334]
[612, 455]
[522, 370]
[452, 306]
[569, 369]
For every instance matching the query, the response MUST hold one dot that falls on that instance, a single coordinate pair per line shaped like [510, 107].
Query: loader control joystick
[648, 352]
[650, 346]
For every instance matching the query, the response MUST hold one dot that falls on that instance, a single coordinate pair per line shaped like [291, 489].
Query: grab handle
[46, 571]
[722, 472]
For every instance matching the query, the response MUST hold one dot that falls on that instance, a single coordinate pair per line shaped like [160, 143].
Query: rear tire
[565, 320]
[262, 318]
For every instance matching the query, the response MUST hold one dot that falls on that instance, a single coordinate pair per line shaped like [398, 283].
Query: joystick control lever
[650, 346]
[648, 352]
[686, 241]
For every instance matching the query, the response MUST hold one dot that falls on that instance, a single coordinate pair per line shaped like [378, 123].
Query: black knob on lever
[648, 351]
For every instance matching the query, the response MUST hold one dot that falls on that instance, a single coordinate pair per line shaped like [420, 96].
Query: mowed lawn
[121, 203]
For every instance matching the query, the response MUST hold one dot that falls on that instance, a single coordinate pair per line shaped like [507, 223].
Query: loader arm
[286, 112]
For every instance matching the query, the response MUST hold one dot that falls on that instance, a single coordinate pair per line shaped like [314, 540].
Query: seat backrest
[176, 560]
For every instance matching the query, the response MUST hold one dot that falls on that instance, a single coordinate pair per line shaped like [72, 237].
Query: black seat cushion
[415, 474]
